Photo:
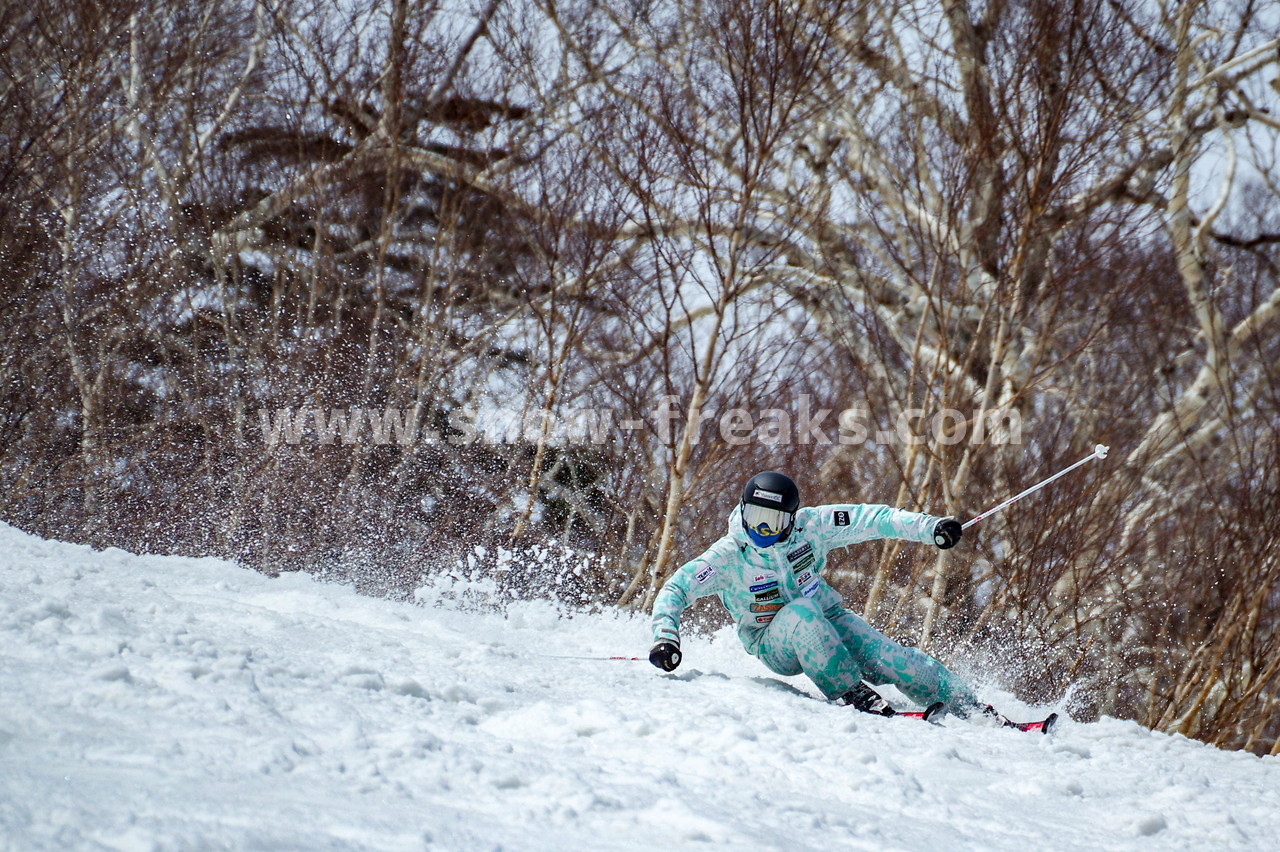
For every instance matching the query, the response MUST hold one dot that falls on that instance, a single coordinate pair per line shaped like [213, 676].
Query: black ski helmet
[770, 490]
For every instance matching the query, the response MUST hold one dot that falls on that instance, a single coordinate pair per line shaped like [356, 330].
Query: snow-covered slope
[187, 704]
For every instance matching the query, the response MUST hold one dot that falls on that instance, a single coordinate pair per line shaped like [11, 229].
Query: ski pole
[1099, 452]
[597, 659]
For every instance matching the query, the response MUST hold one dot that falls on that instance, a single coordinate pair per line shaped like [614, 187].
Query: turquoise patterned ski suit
[793, 621]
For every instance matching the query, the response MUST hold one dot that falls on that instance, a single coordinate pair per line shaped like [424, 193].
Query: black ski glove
[947, 532]
[665, 656]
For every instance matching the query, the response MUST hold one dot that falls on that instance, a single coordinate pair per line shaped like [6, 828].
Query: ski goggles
[764, 521]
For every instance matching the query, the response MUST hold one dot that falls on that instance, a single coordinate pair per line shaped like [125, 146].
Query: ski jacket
[754, 583]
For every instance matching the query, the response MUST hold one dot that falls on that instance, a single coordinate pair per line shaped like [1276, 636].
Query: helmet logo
[767, 495]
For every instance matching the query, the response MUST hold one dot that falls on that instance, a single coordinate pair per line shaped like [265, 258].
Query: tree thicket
[378, 289]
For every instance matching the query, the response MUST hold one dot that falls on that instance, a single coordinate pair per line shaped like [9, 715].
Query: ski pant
[837, 652]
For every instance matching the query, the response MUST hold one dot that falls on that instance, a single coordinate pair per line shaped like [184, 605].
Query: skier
[767, 571]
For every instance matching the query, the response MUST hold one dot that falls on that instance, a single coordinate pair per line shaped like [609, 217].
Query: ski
[932, 713]
[1044, 726]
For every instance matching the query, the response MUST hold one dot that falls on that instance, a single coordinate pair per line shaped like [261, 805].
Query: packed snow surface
[187, 704]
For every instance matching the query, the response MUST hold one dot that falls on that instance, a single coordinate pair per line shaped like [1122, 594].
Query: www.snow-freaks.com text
[667, 421]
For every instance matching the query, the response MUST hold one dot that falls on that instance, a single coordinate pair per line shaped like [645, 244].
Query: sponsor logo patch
[842, 518]
[763, 619]
[768, 596]
[800, 552]
[705, 574]
[769, 607]
[804, 564]
[767, 495]
[808, 590]
[763, 587]
[803, 578]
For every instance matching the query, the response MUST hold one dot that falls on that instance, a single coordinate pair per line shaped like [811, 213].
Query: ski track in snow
[165, 703]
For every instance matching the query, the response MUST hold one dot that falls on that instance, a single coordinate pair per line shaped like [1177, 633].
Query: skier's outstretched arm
[843, 524]
[695, 579]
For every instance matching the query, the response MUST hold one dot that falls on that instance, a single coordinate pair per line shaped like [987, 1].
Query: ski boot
[866, 699]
